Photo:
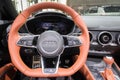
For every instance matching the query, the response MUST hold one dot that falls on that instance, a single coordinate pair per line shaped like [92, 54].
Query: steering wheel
[49, 44]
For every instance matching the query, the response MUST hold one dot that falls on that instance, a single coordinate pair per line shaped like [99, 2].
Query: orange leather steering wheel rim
[14, 36]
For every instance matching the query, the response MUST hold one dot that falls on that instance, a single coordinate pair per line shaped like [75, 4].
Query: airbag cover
[50, 44]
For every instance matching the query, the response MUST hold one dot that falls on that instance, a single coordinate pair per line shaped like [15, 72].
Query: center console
[100, 69]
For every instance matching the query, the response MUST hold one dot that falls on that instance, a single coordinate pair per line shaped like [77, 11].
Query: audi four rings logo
[49, 44]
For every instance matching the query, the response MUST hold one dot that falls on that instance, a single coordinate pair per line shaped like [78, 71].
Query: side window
[93, 10]
[86, 11]
[112, 9]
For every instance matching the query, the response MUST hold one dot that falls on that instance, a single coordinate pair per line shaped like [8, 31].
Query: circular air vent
[91, 36]
[118, 39]
[104, 38]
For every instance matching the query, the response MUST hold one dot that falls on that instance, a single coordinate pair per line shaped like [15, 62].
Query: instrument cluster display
[60, 24]
[56, 26]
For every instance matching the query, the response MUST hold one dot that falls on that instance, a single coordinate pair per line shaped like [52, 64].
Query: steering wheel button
[70, 43]
[77, 42]
[29, 43]
[74, 43]
[49, 70]
[21, 42]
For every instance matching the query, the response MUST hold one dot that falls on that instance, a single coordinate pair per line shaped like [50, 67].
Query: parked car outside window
[103, 10]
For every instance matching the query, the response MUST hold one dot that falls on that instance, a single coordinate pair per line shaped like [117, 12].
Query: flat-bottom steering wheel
[49, 44]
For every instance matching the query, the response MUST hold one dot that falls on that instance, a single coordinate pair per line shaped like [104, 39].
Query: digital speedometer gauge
[46, 26]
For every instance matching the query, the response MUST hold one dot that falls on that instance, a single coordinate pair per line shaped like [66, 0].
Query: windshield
[83, 7]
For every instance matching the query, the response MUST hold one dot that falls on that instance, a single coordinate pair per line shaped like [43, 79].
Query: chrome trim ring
[105, 38]
[91, 36]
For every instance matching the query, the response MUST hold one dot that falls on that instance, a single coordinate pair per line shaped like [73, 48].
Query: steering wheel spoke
[50, 65]
[71, 41]
[28, 41]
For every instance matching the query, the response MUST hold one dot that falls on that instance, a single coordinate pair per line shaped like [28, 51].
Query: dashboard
[104, 32]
